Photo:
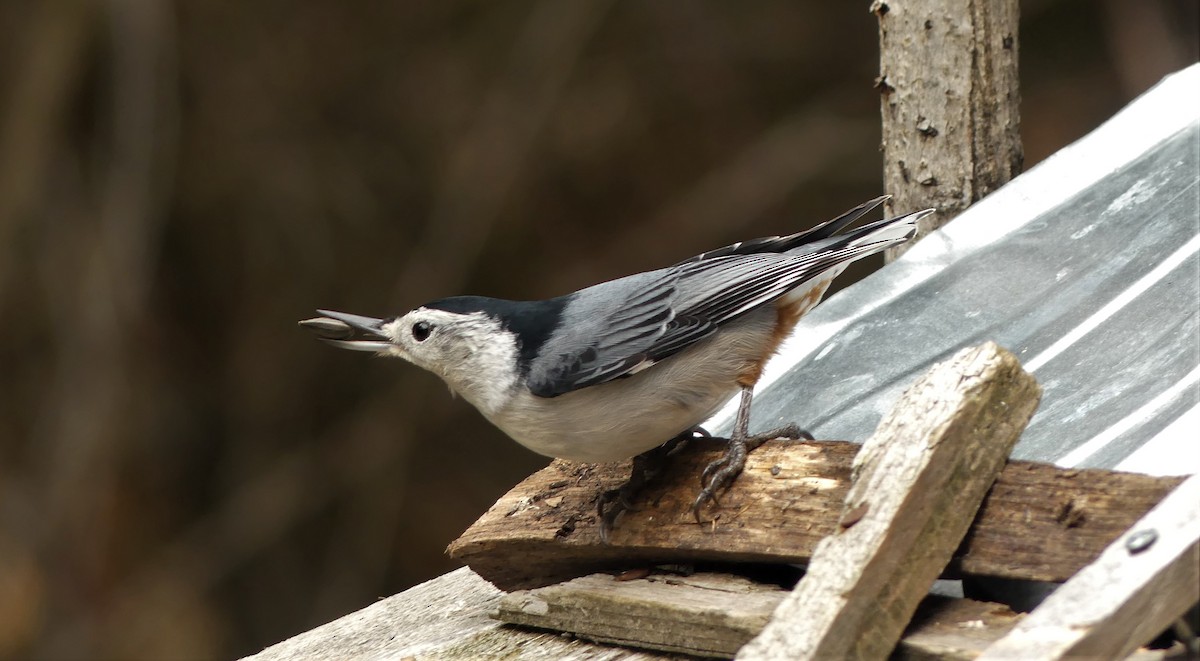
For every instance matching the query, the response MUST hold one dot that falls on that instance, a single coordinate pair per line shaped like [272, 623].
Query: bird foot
[720, 474]
[646, 466]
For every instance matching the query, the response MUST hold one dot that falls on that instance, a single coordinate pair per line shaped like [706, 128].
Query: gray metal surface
[1087, 267]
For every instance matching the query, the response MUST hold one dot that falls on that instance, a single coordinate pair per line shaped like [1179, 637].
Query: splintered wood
[1141, 583]
[918, 482]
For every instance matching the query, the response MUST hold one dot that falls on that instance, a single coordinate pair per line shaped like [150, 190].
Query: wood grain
[445, 618]
[950, 101]
[1038, 522]
[1142, 582]
[448, 618]
[703, 614]
[918, 482]
[716, 614]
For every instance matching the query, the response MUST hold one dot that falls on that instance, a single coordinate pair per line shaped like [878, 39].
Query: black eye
[421, 331]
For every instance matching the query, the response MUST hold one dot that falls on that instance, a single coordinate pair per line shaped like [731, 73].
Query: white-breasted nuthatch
[620, 368]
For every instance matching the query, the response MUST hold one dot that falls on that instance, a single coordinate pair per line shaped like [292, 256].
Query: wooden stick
[950, 96]
[919, 481]
[1140, 584]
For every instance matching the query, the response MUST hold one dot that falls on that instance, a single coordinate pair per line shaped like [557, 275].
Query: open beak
[348, 331]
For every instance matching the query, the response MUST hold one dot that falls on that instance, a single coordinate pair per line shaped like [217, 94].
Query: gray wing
[615, 329]
[621, 327]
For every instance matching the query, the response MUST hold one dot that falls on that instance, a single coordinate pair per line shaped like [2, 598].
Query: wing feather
[621, 327]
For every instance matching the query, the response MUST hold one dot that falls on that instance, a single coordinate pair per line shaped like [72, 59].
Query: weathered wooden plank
[1143, 581]
[945, 629]
[446, 618]
[545, 529]
[950, 102]
[716, 614]
[1038, 522]
[918, 482]
[1044, 523]
[704, 614]
[961, 629]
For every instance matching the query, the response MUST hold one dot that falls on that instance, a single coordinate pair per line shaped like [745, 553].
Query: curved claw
[608, 515]
[713, 467]
[706, 494]
[614, 502]
[610, 506]
[709, 470]
[720, 473]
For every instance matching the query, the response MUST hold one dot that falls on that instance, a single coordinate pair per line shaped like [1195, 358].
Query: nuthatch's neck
[486, 379]
[473, 353]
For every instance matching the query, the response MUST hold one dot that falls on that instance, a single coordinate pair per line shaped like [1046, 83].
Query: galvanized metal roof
[1087, 267]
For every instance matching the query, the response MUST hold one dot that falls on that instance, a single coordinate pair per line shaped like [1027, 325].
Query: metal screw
[1141, 540]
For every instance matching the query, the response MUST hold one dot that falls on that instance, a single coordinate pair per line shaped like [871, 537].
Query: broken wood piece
[1039, 522]
[716, 614]
[918, 482]
[1140, 584]
[775, 512]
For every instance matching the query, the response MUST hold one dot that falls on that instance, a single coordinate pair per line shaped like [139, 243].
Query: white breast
[625, 417]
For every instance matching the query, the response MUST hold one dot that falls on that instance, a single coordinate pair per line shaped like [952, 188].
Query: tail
[830, 227]
[813, 239]
[835, 253]
[879, 235]
[832, 255]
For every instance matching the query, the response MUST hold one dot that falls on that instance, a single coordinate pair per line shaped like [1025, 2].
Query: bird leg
[646, 466]
[719, 474]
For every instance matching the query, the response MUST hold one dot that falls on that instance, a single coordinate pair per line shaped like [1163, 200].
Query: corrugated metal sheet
[1087, 267]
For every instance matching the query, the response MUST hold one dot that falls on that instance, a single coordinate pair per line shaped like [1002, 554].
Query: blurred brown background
[183, 472]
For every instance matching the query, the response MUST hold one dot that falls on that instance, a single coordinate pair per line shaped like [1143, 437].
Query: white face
[473, 353]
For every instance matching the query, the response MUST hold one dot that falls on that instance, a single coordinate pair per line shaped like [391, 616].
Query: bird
[630, 367]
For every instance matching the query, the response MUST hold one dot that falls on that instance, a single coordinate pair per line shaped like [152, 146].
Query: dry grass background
[183, 472]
